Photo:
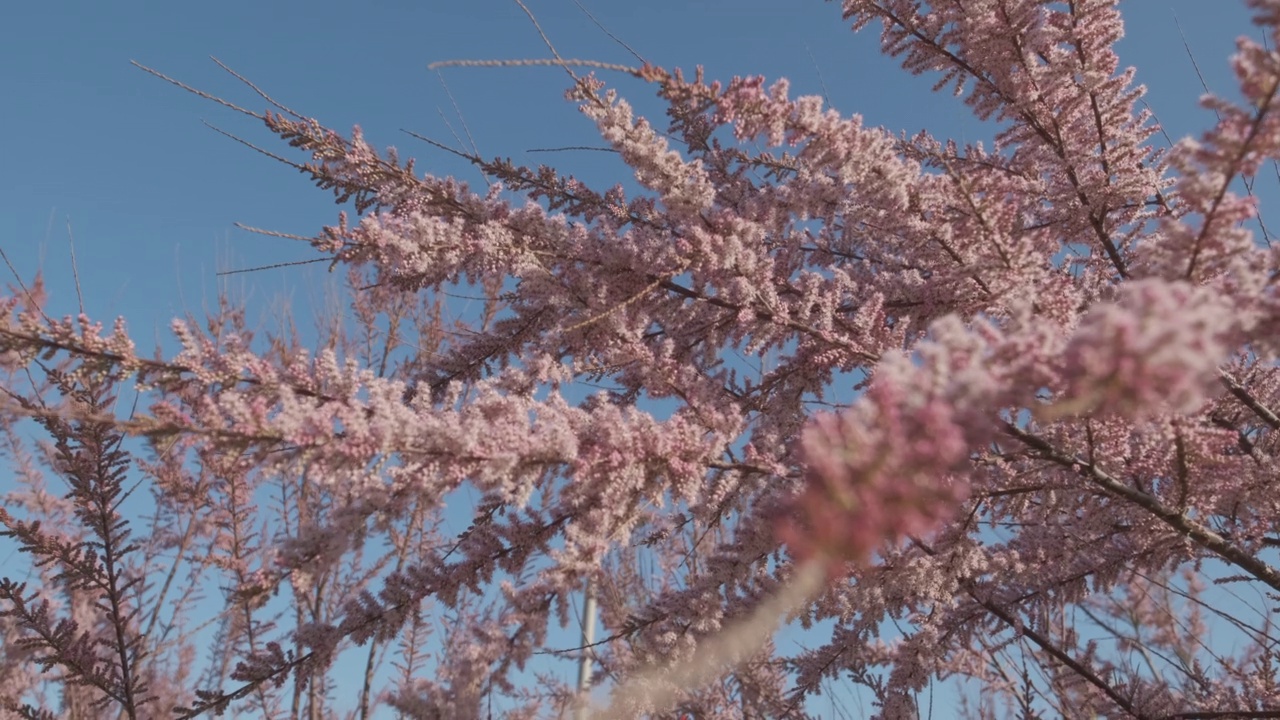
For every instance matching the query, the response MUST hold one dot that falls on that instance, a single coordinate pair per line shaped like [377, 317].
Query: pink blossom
[1158, 346]
[1003, 395]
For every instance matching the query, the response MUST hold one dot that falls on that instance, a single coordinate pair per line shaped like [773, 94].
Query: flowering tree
[1064, 347]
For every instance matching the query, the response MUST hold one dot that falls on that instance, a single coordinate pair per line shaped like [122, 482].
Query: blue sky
[151, 194]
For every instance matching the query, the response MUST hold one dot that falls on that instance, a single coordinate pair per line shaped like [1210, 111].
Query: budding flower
[868, 483]
[1158, 347]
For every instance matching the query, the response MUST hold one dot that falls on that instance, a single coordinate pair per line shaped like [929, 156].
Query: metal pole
[584, 661]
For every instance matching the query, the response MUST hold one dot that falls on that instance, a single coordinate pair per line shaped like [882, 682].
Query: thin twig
[1191, 56]
[17, 278]
[571, 147]
[75, 268]
[273, 233]
[458, 111]
[826, 96]
[251, 146]
[272, 267]
[536, 62]
[193, 91]
[257, 90]
[445, 119]
[546, 40]
[474, 159]
[605, 30]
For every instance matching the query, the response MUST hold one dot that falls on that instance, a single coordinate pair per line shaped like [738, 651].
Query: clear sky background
[152, 194]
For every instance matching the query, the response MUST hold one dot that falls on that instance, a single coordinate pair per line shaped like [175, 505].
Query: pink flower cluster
[863, 488]
[1155, 348]
[1063, 350]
